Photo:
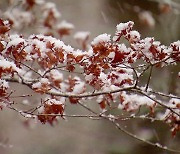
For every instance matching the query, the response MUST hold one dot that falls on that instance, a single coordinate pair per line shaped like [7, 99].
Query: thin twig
[164, 95]
[142, 140]
[149, 78]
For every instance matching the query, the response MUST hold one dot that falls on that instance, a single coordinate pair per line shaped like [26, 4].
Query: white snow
[49, 6]
[15, 40]
[177, 43]
[40, 44]
[81, 35]
[6, 22]
[65, 25]
[89, 77]
[134, 101]
[78, 53]
[147, 18]
[111, 55]
[55, 101]
[56, 75]
[134, 35]
[19, 17]
[103, 38]
[68, 49]
[39, 2]
[44, 81]
[36, 85]
[4, 64]
[122, 26]
[100, 98]
[122, 47]
[4, 84]
[79, 88]
[63, 86]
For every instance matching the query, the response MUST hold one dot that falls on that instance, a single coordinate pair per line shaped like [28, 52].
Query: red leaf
[4, 29]
[73, 100]
[119, 57]
[70, 68]
[1, 47]
[103, 104]
[30, 3]
[79, 58]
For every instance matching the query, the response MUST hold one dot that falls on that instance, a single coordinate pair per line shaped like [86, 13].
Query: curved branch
[68, 94]
[157, 145]
[158, 102]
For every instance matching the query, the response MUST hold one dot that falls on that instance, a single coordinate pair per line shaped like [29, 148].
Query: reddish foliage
[103, 104]
[73, 100]
[1, 47]
[53, 109]
[30, 3]
[50, 19]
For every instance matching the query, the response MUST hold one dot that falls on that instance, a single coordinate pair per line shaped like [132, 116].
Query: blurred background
[83, 136]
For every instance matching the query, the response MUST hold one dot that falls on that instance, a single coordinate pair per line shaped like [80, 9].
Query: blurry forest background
[84, 136]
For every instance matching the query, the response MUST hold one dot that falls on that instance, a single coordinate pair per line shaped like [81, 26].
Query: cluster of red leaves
[7, 70]
[124, 31]
[172, 118]
[102, 61]
[52, 24]
[82, 39]
[4, 28]
[43, 88]
[17, 52]
[64, 30]
[50, 19]
[55, 81]
[3, 91]
[53, 56]
[176, 51]
[72, 82]
[147, 49]
[29, 10]
[50, 108]
[174, 123]
[105, 101]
